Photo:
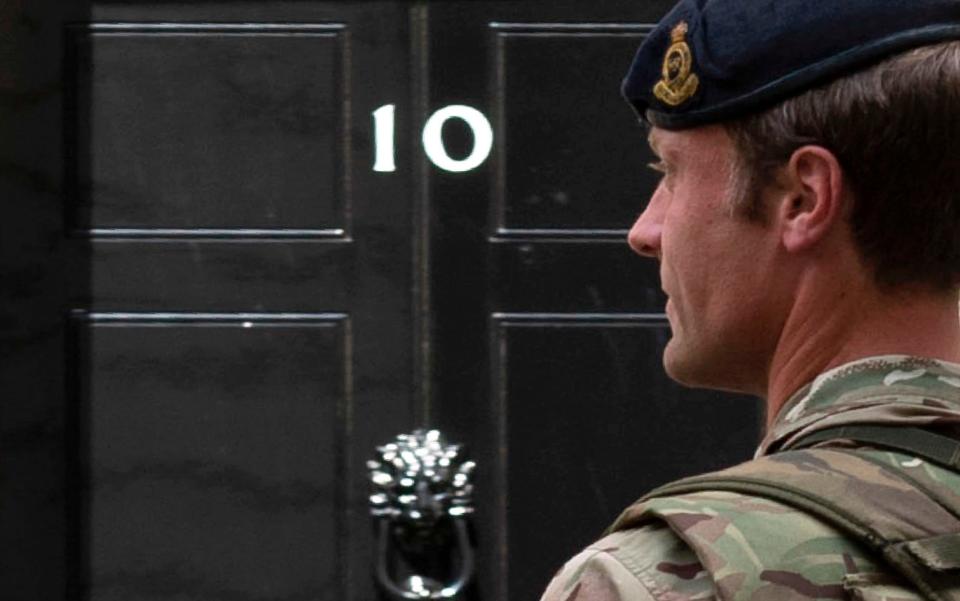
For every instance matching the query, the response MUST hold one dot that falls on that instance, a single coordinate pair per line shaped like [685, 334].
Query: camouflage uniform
[732, 546]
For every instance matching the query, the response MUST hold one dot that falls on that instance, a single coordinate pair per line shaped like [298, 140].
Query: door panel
[213, 459]
[587, 423]
[214, 308]
[245, 135]
[558, 114]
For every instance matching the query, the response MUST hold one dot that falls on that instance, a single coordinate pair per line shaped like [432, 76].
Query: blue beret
[714, 60]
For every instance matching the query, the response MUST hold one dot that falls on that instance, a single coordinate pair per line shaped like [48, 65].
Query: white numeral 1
[383, 126]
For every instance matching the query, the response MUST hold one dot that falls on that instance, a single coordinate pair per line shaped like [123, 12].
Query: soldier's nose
[644, 236]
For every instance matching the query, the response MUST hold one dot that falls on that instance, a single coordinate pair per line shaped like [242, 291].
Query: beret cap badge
[678, 83]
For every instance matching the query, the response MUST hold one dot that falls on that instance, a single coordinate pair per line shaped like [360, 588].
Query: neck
[846, 323]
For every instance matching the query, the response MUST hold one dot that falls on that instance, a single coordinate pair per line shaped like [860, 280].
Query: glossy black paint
[212, 454]
[275, 91]
[213, 308]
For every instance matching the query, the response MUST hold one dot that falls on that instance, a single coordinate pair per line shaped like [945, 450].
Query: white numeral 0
[433, 138]
[384, 125]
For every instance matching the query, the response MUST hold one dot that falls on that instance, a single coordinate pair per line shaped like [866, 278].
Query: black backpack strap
[924, 444]
[917, 536]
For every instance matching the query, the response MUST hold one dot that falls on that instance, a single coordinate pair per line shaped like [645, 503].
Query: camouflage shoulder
[650, 563]
[757, 549]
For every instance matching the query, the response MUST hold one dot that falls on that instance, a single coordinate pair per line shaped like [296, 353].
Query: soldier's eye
[666, 172]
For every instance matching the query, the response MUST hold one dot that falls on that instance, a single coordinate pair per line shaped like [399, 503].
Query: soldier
[807, 226]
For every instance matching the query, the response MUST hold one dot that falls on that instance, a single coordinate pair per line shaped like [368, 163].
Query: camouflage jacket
[736, 547]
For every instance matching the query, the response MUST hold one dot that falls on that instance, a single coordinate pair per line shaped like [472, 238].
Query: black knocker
[421, 505]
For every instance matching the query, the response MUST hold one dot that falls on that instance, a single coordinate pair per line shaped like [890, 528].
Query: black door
[246, 242]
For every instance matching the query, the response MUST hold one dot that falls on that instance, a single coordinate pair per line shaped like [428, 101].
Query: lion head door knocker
[421, 502]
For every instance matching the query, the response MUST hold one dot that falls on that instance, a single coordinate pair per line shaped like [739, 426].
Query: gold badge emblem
[678, 83]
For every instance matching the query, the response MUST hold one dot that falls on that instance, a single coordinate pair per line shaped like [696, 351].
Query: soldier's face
[717, 268]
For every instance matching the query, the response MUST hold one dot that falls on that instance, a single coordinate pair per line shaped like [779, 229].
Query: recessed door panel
[197, 129]
[572, 154]
[214, 461]
[587, 422]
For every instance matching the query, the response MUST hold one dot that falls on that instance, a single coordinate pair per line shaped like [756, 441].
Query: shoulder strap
[916, 535]
[924, 444]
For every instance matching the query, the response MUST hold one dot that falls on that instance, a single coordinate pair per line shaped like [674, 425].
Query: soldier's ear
[810, 198]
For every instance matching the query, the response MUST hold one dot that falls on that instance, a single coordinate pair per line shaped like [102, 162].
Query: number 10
[384, 146]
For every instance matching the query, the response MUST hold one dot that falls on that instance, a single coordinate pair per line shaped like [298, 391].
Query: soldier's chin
[673, 362]
[697, 367]
[682, 366]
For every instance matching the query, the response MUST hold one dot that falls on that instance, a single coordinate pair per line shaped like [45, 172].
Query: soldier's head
[795, 133]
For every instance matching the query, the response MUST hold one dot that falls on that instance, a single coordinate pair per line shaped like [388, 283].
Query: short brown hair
[895, 129]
